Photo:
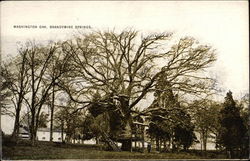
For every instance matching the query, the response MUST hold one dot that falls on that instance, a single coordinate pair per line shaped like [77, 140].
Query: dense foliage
[232, 132]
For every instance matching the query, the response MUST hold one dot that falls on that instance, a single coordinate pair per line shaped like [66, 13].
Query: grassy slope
[45, 150]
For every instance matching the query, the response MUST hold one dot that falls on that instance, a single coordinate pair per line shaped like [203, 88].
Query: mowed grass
[46, 150]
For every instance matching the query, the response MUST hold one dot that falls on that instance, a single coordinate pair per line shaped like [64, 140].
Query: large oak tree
[124, 66]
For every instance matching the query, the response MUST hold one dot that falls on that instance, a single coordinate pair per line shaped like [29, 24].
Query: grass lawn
[46, 150]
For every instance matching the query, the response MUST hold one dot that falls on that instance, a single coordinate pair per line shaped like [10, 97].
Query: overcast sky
[221, 24]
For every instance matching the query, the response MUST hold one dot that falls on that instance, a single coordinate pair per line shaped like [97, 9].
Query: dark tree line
[233, 134]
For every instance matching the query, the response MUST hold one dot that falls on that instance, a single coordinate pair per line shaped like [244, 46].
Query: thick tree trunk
[160, 145]
[126, 145]
[67, 138]
[32, 128]
[143, 141]
[229, 153]
[62, 130]
[203, 142]
[172, 143]
[174, 146]
[16, 125]
[157, 144]
[165, 145]
[21, 94]
[17, 119]
[97, 140]
[52, 113]
[127, 123]
[127, 137]
[74, 136]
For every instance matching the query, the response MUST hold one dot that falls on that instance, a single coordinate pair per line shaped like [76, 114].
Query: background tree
[94, 127]
[88, 132]
[159, 128]
[243, 105]
[43, 120]
[25, 120]
[38, 61]
[69, 120]
[169, 118]
[16, 74]
[232, 128]
[183, 131]
[54, 70]
[5, 95]
[205, 115]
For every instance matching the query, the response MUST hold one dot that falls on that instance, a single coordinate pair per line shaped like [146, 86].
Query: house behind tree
[43, 134]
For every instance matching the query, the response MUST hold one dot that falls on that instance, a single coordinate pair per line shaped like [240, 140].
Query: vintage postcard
[137, 80]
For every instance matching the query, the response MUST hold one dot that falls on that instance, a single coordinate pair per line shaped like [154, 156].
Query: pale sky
[221, 24]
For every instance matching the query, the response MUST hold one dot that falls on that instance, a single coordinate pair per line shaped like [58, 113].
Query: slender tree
[18, 78]
[205, 115]
[39, 58]
[55, 68]
[70, 120]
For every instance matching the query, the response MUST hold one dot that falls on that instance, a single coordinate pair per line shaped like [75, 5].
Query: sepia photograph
[124, 80]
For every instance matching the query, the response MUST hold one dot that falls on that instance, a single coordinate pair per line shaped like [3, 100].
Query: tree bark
[204, 140]
[126, 145]
[21, 94]
[97, 140]
[62, 124]
[15, 134]
[165, 145]
[127, 123]
[160, 143]
[143, 141]
[205, 143]
[32, 128]
[52, 113]
[157, 144]
[201, 141]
